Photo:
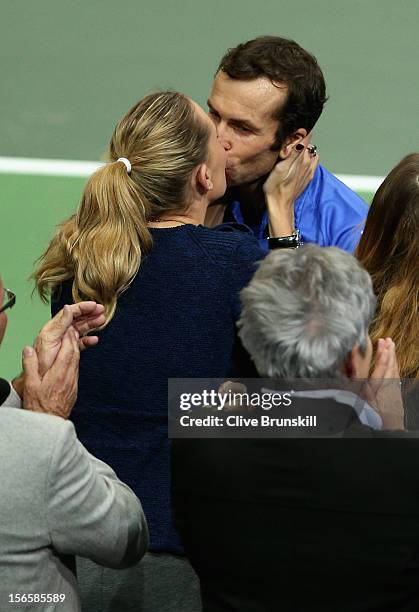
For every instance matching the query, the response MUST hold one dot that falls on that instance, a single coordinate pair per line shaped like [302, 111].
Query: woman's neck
[193, 213]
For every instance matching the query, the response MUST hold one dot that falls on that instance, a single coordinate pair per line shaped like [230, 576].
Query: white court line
[47, 167]
[67, 167]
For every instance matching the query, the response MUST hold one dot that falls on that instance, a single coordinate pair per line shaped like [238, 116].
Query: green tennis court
[31, 207]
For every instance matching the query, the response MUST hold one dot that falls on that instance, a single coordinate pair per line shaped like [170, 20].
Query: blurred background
[69, 71]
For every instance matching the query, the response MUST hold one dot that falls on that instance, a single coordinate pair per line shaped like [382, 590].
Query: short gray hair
[304, 310]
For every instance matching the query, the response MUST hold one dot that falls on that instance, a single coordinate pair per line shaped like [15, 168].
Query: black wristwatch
[286, 242]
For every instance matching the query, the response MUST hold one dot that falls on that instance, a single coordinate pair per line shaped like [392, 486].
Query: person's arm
[285, 183]
[89, 511]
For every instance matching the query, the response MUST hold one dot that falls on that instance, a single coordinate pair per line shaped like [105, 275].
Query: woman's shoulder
[233, 227]
[233, 231]
[228, 234]
[62, 295]
[228, 241]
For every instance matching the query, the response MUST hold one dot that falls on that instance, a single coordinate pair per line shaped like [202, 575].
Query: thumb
[381, 360]
[30, 365]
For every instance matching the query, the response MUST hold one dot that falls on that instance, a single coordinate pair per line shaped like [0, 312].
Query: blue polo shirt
[327, 213]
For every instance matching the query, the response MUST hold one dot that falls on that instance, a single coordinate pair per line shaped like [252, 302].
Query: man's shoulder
[329, 187]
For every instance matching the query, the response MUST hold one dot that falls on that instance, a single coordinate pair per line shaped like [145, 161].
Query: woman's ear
[290, 142]
[203, 179]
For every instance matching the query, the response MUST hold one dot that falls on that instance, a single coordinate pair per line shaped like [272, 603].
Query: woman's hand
[285, 183]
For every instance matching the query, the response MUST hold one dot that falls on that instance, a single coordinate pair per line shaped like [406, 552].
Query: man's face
[242, 112]
[3, 315]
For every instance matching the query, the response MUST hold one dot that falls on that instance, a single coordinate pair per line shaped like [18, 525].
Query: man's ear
[202, 179]
[351, 364]
[291, 141]
[354, 366]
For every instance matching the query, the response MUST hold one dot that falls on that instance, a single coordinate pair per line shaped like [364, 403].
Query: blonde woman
[170, 288]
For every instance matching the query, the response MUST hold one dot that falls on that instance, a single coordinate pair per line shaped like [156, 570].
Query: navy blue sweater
[176, 320]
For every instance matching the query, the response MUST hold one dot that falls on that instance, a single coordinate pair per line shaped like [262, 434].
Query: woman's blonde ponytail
[101, 246]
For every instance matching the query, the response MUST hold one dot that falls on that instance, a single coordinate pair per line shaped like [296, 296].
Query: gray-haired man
[307, 524]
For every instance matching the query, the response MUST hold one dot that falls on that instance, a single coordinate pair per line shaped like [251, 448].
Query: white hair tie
[126, 163]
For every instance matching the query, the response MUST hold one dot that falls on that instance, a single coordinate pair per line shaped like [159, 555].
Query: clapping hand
[383, 387]
[50, 369]
[82, 317]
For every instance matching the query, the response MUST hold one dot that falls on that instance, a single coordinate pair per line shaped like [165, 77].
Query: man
[56, 500]
[307, 524]
[267, 96]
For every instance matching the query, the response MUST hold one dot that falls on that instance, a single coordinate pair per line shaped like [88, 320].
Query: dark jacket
[302, 525]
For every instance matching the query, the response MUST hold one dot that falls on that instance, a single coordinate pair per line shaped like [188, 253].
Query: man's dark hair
[281, 61]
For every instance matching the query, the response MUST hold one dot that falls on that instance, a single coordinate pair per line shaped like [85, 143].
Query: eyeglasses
[9, 300]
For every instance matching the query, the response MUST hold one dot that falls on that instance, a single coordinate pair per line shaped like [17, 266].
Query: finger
[225, 386]
[310, 160]
[66, 366]
[74, 338]
[54, 329]
[285, 166]
[69, 353]
[88, 316]
[312, 149]
[30, 366]
[86, 323]
[281, 170]
[307, 139]
[86, 309]
[314, 162]
[308, 166]
[88, 341]
[234, 387]
[381, 360]
[393, 367]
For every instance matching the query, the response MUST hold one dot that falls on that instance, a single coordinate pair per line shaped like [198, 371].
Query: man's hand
[83, 317]
[56, 392]
[285, 183]
[384, 392]
[233, 388]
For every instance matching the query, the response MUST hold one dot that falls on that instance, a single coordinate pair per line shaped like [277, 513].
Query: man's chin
[240, 181]
[235, 180]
